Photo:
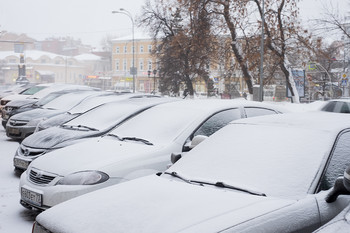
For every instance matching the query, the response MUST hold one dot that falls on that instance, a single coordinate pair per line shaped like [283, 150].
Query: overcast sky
[92, 20]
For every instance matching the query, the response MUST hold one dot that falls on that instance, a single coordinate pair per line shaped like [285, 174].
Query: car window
[345, 108]
[217, 121]
[339, 161]
[329, 107]
[253, 111]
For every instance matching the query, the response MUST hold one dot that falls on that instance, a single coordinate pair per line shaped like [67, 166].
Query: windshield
[259, 158]
[46, 99]
[160, 124]
[33, 90]
[66, 101]
[89, 103]
[104, 116]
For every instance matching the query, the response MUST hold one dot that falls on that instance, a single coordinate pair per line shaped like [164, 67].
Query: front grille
[38, 177]
[30, 152]
[18, 123]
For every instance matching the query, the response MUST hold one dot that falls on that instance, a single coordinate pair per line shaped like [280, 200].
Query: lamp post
[154, 84]
[261, 89]
[133, 69]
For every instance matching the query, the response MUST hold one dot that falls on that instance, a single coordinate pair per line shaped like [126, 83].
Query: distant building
[45, 67]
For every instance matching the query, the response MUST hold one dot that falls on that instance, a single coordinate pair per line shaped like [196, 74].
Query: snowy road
[13, 217]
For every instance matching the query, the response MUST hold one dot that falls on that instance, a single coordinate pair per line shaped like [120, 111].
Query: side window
[217, 121]
[340, 160]
[345, 108]
[252, 111]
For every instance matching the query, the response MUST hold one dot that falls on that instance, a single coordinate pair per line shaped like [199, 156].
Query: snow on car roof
[310, 120]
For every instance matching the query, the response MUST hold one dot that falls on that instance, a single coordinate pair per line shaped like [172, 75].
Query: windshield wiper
[130, 138]
[79, 127]
[113, 135]
[216, 184]
[138, 140]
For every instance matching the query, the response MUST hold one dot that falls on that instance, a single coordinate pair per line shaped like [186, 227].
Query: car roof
[308, 120]
[205, 105]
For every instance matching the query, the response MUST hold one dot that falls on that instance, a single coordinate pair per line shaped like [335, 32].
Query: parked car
[92, 123]
[86, 105]
[23, 124]
[138, 147]
[337, 105]
[264, 174]
[46, 95]
[25, 94]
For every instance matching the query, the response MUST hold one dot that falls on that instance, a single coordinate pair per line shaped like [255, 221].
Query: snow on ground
[13, 217]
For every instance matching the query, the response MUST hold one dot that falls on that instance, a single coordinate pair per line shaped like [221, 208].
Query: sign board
[299, 80]
[344, 80]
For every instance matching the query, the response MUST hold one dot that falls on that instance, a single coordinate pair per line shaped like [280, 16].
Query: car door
[338, 161]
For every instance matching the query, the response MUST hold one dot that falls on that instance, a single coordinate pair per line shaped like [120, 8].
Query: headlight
[84, 178]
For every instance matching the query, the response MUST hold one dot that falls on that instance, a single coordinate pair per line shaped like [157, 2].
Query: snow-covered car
[44, 96]
[33, 89]
[140, 146]
[24, 124]
[87, 104]
[92, 123]
[264, 174]
[339, 224]
[337, 105]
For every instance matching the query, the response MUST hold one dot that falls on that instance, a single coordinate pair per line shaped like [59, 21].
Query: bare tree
[183, 41]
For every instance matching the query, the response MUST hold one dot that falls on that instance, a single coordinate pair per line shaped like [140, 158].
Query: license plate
[13, 131]
[31, 197]
[20, 163]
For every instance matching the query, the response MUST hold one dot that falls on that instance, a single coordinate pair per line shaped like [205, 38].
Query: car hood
[36, 113]
[92, 154]
[51, 137]
[156, 204]
[20, 103]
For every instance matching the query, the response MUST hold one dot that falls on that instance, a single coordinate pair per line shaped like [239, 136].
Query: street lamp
[133, 69]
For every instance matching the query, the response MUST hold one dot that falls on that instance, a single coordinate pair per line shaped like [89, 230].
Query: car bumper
[19, 132]
[25, 155]
[43, 197]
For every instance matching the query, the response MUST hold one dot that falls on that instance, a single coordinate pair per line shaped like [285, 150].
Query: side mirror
[341, 186]
[174, 157]
[196, 140]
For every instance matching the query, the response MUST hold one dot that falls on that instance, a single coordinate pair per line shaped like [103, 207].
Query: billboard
[299, 80]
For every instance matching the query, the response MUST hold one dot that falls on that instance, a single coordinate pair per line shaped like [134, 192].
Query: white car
[139, 147]
[92, 123]
[264, 174]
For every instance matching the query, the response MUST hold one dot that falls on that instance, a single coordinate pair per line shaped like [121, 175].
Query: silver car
[92, 123]
[24, 124]
[265, 174]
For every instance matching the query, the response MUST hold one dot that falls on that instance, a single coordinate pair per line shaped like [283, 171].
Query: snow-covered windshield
[33, 90]
[162, 123]
[48, 98]
[277, 161]
[104, 116]
[89, 103]
[67, 101]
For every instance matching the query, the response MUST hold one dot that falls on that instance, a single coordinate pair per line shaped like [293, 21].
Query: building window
[141, 65]
[125, 49]
[117, 65]
[125, 64]
[117, 50]
[141, 49]
[149, 64]
[133, 49]
[149, 48]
